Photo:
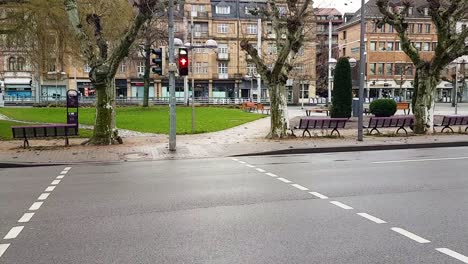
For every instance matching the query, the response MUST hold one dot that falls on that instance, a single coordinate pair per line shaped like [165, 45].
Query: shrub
[342, 95]
[383, 107]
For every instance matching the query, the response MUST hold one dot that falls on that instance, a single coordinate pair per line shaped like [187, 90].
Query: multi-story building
[323, 17]
[389, 71]
[226, 72]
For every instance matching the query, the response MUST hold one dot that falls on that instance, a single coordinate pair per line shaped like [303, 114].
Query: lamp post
[172, 70]
[456, 63]
[330, 39]
[331, 65]
[362, 48]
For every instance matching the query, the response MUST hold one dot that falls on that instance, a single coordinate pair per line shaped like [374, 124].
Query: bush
[383, 107]
[342, 95]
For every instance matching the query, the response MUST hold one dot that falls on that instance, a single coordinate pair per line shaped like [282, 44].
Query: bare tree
[289, 21]
[451, 45]
[105, 62]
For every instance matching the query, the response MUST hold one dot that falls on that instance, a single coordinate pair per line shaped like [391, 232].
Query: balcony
[223, 56]
[221, 76]
[197, 14]
[200, 34]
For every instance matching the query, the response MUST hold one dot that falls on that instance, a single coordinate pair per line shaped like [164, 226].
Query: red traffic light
[183, 62]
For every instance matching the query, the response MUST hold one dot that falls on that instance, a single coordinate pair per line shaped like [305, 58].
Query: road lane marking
[25, 218]
[300, 187]
[410, 235]
[234, 159]
[55, 182]
[14, 232]
[448, 252]
[417, 160]
[50, 189]
[64, 172]
[67, 168]
[43, 196]
[250, 166]
[242, 162]
[284, 180]
[260, 170]
[271, 174]
[319, 195]
[3, 248]
[60, 177]
[35, 206]
[372, 218]
[342, 205]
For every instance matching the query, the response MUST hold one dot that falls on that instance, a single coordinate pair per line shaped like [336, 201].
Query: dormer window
[426, 11]
[410, 11]
[223, 10]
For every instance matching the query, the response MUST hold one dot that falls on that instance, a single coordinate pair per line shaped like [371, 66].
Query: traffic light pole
[172, 68]
[192, 64]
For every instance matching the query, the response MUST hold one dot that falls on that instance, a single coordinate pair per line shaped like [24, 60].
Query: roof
[326, 12]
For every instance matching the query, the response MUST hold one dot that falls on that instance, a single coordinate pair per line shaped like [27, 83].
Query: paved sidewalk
[243, 139]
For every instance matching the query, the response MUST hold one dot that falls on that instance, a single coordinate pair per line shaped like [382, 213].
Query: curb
[358, 148]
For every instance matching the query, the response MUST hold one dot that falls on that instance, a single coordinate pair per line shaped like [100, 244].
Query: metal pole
[193, 73]
[259, 49]
[172, 67]
[329, 57]
[456, 87]
[302, 95]
[362, 70]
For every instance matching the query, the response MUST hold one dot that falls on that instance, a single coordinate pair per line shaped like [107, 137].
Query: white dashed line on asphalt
[67, 168]
[342, 205]
[417, 160]
[300, 187]
[410, 235]
[250, 166]
[372, 218]
[55, 182]
[35, 206]
[242, 162]
[14, 232]
[284, 180]
[319, 195]
[260, 170]
[3, 248]
[50, 188]
[43, 196]
[234, 159]
[450, 253]
[64, 172]
[26, 217]
[271, 174]
[60, 177]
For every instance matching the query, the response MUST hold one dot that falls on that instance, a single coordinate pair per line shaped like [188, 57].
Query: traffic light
[156, 60]
[183, 62]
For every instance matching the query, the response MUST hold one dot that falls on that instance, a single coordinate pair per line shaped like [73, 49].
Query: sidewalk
[245, 139]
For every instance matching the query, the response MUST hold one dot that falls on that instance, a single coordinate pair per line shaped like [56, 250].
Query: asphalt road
[406, 206]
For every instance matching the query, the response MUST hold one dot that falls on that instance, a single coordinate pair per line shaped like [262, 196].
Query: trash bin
[355, 107]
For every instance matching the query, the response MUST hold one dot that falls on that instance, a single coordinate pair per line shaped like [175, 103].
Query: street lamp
[456, 63]
[362, 58]
[331, 65]
[330, 62]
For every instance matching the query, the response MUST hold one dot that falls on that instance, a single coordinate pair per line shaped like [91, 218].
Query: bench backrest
[393, 121]
[260, 107]
[322, 123]
[44, 131]
[455, 120]
[401, 106]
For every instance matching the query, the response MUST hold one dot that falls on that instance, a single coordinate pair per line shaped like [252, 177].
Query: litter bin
[355, 107]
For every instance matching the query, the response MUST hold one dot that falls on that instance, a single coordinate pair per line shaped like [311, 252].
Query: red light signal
[183, 62]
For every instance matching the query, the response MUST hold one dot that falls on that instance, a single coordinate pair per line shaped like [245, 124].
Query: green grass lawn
[5, 130]
[153, 119]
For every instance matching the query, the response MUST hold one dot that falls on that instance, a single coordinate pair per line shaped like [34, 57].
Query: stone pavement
[243, 139]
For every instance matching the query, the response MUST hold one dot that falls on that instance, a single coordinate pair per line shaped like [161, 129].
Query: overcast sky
[342, 5]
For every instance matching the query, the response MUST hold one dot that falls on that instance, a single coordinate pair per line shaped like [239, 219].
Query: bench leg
[308, 132]
[292, 133]
[335, 130]
[374, 129]
[307, 113]
[466, 129]
[66, 142]
[25, 143]
[402, 128]
[447, 127]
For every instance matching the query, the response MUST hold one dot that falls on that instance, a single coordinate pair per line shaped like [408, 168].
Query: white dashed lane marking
[35, 206]
[242, 162]
[60, 177]
[372, 218]
[260, 170]
[26, 217]
[271, 174]
[284, 180]
[453, 254]
[300, 187]
[3, 248]
[342, 205]
[14, 232]
[250, 166]
[49, 189]
[43, 196]
[55, 182]
[410, 235]
[319, 195]
[64, 172]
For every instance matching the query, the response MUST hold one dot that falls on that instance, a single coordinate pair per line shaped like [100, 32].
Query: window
[304, 91]
[373, 46]
[374, 27]
[198, 8]
[420, 28]
[249, 10]
[410, 11]
[427, 46]
[123, 67]
[141, 67]
[389, 69]
[271, 49]
[223, 49]
[87, 68]
[222, 68]
[344, 34]
[199, 50]
[251, 29]
[344, 51]
[201, 68]
[426, 11]
[428, 28]
[382, 45]
[390, 46]
[397, 46]
[390, 28]
[409, 69]
[251, 69]
[372, 68]
[12, 64]
[299, 68]
[399, 69]
[380, 68]
[223, 28]
[382, 29]
[223, 10]
[434, 46]
[411, 28]
[417, 45]
[20, 63]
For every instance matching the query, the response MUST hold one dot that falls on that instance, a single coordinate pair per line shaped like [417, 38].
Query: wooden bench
[320, 123]
[454, 120]
[317, 110]
[43, 131]
[394, 121]
[261, 107]
[404, 106]
[249, 106]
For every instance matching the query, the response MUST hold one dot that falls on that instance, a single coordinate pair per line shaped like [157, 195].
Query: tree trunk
[425, 83]
[146, 76]
[279, 111]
